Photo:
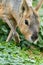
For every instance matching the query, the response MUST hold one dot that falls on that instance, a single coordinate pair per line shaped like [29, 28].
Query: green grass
[25, 53]
[10, 54]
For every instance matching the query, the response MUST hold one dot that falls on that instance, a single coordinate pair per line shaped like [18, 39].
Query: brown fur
[26, 13]
[25, 29]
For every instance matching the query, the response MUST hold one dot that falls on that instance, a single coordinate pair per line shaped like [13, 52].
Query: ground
[10, 54]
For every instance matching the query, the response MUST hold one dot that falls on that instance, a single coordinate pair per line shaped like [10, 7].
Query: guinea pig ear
[29, 3]
[39, 5]
[24, 5]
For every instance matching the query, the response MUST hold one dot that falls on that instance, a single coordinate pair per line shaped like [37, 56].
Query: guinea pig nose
[34, 36]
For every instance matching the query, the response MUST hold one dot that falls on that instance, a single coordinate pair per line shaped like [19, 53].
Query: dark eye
[26, 22]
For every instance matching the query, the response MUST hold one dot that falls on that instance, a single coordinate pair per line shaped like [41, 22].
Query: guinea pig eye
[26, 22]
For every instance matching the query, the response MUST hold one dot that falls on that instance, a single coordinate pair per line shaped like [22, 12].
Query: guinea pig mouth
[31, 41]
[35, 42]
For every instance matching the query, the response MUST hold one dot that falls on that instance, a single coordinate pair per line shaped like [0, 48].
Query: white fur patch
[29, 2]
